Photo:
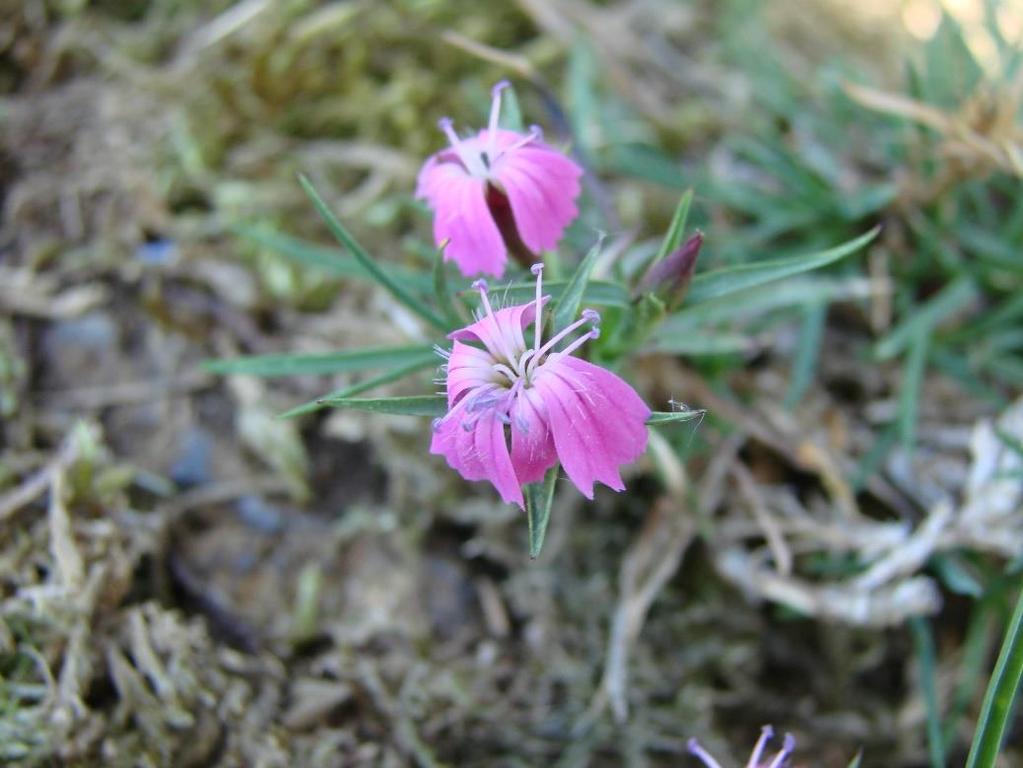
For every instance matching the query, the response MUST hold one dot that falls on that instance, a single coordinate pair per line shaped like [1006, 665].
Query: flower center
[514, 365]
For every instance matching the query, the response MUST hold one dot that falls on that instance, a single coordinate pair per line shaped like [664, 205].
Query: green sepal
[539, 497]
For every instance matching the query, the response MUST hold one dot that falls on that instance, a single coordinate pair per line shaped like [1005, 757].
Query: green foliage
[318, 364]
[539, 497]
[1001, 695]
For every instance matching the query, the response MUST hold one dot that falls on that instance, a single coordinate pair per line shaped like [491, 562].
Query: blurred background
[187, 580]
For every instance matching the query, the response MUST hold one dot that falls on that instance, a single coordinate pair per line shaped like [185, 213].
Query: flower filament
[479, 160]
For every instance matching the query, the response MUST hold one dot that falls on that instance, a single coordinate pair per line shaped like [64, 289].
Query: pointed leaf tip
[539, 497]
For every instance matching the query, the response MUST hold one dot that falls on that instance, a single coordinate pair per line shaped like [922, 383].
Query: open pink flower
[551, 405]
[471, 185]
[757, 759]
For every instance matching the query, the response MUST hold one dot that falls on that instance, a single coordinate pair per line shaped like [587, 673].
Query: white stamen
[495, 114]
[504, 370]
[766, 734]
[786, 750]
[537, 269]
[594, 333]
[588, 317]
[499, 340]
[472, 163]
[534, 135]
[446, 125]
[695, 749]
[524, 361]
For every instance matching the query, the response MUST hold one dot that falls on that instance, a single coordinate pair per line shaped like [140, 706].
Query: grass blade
[951, 299]
[318, 364]
[571, 297]
[977, 642]
[703, 343]
[416, 405]
[1000, 696]
[805, 364]
[912, 383]
[329, 260]
[375, 271]
[722, 282]
[924, 642]
[374, 381]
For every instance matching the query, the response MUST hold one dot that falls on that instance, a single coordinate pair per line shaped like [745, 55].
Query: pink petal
[478, 453]
[467, 368]
[532, 451]
[597, 420]
[461, 215]
[502, 329]
[541, 185]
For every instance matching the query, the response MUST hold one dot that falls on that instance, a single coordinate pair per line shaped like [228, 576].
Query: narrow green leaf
[958, 367]
[417, 405]
[1001, 693]
[798, 292]
[950, 300]
[722, 282]
[703, 343]
[873, 459]
[442, 291]
[374, 381]
[376, 272]
[912, 383]
[870, 200]
[313, 365]
[805, 363]
[571, 297]
[330, 260]
[669, 417]
[583, 109]
[539, 497]
[856, 761]
[980, 633]
[598, 292]
[924, 642]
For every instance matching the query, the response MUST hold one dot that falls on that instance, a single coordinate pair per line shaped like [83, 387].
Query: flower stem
[1000, 696]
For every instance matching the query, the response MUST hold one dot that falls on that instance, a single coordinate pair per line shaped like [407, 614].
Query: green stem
[1001, 693]
[924, 642]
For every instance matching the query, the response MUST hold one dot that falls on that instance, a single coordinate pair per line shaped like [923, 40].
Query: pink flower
[471, 185]
[553, 406]
[756, 760]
